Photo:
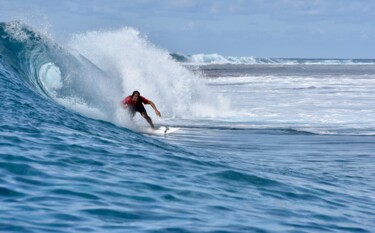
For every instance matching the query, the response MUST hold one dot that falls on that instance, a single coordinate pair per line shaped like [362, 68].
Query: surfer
[135, 103]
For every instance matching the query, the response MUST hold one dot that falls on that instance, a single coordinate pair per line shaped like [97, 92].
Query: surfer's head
[135, 96]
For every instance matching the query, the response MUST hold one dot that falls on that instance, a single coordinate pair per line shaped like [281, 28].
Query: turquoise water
[294, 151]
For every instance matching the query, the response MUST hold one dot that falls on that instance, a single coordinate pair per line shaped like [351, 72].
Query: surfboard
[162, 130]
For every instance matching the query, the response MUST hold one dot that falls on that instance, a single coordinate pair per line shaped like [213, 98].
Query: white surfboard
[162, 130]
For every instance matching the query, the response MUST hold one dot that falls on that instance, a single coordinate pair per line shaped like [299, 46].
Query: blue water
[294, 151]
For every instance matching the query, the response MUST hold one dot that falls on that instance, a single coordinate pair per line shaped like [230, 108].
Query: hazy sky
[262, 28]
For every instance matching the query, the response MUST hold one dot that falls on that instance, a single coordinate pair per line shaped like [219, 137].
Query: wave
[49, 69]
[97, 69]
[216, 59]
[283, 130]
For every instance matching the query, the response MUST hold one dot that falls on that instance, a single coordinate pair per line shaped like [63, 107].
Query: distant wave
[211, 59]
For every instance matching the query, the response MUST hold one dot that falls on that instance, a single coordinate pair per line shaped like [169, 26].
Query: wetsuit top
[128, 101]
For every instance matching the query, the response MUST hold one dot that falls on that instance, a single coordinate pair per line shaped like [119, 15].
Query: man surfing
[135, 103]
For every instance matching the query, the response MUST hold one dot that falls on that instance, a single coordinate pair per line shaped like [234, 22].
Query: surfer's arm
[124, 105]
[154, 107]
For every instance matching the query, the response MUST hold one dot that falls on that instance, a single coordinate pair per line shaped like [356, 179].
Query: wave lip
[217, 59]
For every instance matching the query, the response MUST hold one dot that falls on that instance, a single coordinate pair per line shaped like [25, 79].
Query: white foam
[324, 103]
[50, 75]
[133, 63]
[16, 29]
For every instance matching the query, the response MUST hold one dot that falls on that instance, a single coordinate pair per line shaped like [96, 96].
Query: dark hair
[136, 92]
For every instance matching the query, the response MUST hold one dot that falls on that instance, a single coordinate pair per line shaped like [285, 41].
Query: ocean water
[271, 145]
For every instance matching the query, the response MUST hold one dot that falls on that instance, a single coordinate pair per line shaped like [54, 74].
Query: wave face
[54, 72]
[295, 149]
[210, 59]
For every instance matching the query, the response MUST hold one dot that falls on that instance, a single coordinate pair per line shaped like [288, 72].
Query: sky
[260, 28]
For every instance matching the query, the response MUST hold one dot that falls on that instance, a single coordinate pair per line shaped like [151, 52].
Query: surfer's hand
[157, 113]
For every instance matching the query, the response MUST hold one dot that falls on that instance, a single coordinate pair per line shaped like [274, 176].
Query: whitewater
[265, 145]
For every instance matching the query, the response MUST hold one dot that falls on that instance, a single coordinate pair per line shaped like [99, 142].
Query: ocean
[264, 145]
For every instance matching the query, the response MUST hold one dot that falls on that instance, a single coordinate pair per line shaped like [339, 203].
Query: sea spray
[133, 63]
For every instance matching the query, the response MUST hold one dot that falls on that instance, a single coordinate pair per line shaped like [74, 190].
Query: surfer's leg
[148, 119]
[131, 112]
